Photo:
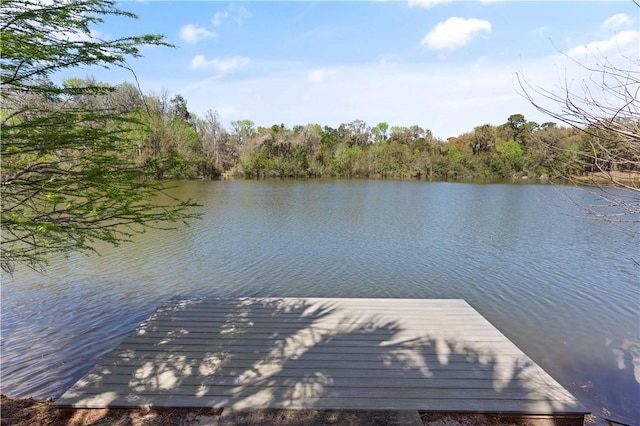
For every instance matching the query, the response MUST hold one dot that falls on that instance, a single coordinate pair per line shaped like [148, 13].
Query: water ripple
[562, 289]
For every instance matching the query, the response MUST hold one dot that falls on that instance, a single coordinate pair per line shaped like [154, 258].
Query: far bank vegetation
[171, 142]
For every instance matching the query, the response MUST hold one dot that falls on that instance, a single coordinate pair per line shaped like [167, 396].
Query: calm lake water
[565, 289]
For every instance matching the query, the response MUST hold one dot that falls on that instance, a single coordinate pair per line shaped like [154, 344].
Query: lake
[565, 289]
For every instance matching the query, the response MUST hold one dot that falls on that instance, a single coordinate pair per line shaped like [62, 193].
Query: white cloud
[237, 13]
[454, 32]
[618, 20]
[220, 65]
[427, 3]
[541, 30]
[231, 112]
[622, 43]
[242, 14]
[192, 33]
[579, 75]
[399, 94]
[322, 74]
[478, 63]
[218, 17]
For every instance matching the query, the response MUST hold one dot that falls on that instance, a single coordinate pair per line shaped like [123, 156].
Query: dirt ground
[30, 412]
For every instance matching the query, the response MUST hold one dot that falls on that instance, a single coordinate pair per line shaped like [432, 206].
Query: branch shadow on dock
[257, 353]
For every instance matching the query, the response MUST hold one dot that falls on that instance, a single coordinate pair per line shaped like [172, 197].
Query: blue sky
[444, 65]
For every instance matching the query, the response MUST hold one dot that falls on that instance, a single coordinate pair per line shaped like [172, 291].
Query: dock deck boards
[369, 354]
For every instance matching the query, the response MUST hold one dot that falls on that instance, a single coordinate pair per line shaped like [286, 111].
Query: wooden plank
[260, 401]
[148, 353]
[485, 405]
[319, 308]
[425, 337]
[132, 351]
[310, 337]
[325, 366]
[287, 325]
[522, 406]
[419, 328]
[290, 302]
[314, 311]
[434, 319]
[317, 390]
[311, 306]
[273, 339]
[481, 353]
[455, 371]
[320, 353]
[192, 384]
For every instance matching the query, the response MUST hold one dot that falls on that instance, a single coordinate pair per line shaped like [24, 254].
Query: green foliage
[410, 152]
[483, 139]
[67, 176]
[390, 159]
[346, 160]
[456, 162]
[243, 130]
[510, 157]
[381, 131]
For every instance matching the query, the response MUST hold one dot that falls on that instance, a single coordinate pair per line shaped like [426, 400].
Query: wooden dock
[363, 354]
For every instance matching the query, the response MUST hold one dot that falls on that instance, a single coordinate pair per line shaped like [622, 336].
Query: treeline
[169, 142]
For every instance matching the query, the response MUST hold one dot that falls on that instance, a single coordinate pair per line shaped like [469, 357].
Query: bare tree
[215, 140]
[606, 110]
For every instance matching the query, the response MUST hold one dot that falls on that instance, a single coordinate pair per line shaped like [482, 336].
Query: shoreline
[31, 411]
[588, 180]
